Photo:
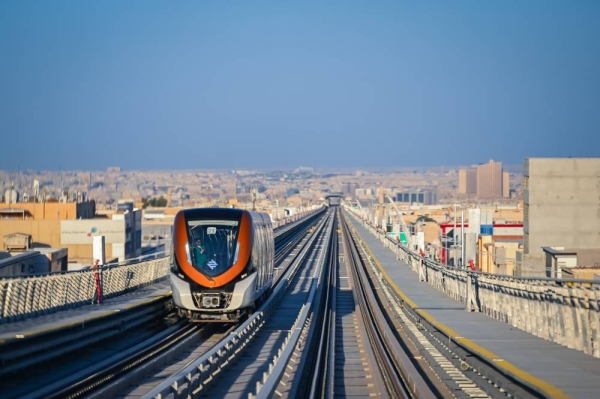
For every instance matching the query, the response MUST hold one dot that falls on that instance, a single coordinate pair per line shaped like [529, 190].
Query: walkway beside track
[555, 369]
[79, 316]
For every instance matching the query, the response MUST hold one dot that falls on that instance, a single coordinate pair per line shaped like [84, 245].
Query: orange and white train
[221, 262]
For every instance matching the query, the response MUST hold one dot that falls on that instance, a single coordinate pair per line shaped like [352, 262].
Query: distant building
[506, 184]
[349, 189]
[467, 181]
[364, 192]
[424, 197]
[561, 207]
[489, 180]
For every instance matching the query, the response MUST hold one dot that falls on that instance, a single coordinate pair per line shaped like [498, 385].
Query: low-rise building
[72, 226]
[572, 263]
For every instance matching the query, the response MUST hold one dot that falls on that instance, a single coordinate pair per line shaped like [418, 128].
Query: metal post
[462, 239]
[454, 239]
[421, 270]
[445, 248]
[98, 282]
[471, 300]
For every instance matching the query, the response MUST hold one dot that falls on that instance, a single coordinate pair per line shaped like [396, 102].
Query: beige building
[561, 207]
[72, 226]
[505, 184]
[467, 181]
[489, 180]
[47, 210]
[497, 256]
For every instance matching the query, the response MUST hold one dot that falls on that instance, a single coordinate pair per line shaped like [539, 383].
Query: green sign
[403, 238]
[392, 235]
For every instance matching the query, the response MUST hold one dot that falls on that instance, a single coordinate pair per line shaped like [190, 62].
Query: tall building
[505, 184]
[489, 180]
[561, 206]
[467, 181]
[349, 189]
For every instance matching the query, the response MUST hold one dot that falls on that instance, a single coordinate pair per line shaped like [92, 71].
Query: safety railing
[564, 311]
[22, 298]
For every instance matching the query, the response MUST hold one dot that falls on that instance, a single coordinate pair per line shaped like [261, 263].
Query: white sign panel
[83, 231]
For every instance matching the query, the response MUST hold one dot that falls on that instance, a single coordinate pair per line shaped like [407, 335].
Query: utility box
[17, 242]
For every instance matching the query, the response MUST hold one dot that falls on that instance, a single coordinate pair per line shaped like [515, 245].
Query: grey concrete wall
[562, 203]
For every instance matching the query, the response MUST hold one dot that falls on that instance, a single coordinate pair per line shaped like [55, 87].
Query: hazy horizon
[213, 85]
[344, 169]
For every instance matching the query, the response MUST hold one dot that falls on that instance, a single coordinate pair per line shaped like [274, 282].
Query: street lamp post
[454, 238]
[445, 248]
[462, 238]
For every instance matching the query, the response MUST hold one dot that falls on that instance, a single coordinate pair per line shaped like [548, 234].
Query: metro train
[222, 263]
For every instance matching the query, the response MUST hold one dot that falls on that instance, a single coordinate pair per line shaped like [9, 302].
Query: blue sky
[255, 84]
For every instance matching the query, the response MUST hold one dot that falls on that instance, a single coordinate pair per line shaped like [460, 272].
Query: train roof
[218, 213]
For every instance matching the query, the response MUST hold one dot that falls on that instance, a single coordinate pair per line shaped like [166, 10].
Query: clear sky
[256, 84]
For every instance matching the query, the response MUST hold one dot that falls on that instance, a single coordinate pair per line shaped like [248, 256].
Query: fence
[22, 298]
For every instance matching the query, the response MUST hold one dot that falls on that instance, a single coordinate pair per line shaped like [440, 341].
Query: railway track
[244, 363]
[345, 360]
[108, 359]
[325, 338]
[331, 328]
[451, 370]
[349, 350]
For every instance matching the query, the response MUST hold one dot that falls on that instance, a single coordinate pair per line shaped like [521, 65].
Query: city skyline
[208, 85]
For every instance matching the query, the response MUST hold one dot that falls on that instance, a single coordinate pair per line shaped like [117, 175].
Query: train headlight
[211, 301]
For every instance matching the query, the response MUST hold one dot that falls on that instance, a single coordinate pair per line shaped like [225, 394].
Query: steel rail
[321, 382]
[115, 366]
[400, 375]
[201, 372]
[396, 387]
[29, 351]
[281, 362]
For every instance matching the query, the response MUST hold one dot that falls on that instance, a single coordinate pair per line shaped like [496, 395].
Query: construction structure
[561, 207]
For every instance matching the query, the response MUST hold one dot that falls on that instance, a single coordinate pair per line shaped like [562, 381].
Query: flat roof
[17, 258]
[13, 210]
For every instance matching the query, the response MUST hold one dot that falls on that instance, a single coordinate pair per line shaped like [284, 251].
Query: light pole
[454, 240]
[462, 237]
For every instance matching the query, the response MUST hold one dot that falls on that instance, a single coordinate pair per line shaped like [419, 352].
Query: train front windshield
[213, 246]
